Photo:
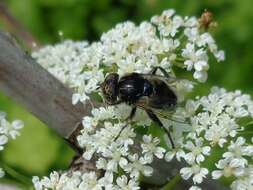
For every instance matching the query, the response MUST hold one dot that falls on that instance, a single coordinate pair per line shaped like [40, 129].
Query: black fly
[149, 92]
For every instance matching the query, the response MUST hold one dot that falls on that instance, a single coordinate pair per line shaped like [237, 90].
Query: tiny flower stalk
[19, 177]
[172, 183]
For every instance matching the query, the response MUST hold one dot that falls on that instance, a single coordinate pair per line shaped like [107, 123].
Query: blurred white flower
[125, 184]
[1, 173]
[90, 181]
[3, 141]
[195, 171]
[89, 123]
[174, 153]
[244, 182]
[197, 151]
[150, 148]
[116, 157]
[229, 167]
[196, 59]
[8, 130]
[195, 188]
[138, 165]
[239, 149]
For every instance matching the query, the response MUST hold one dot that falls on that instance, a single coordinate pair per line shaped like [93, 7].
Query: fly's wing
[163, 104]
[181, 87]
[170, 81]
[167, 112]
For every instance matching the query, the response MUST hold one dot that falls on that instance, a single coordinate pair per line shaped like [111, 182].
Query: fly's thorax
[131, 87]
[147, 88]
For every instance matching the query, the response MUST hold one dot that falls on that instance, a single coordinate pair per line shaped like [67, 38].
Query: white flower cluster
[83, 181]
[168, 41]
[114, 142]
[211, 122]
[117, 154]
[215, 123]
[8, 131]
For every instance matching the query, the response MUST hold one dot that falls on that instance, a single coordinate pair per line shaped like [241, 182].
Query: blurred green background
[38, 150]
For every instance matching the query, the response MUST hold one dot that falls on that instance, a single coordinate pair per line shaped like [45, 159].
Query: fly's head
[110, 88]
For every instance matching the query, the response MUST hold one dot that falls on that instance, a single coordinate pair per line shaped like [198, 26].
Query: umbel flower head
[209, 123]
[168, 40]
[8, 130]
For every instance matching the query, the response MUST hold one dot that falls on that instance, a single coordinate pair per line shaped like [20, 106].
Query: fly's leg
[132, 114]
[114, 103]
[129, 118]
[153, 71]
[154, 118]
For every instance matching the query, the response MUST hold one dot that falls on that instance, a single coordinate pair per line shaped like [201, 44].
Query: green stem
[248, 124]
[180, 59]
[16, 175]
[172, 183]
[178, 64]
[245, 133]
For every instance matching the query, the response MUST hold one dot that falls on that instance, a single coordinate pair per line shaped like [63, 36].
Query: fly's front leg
[114, 103]
[153, 71]
[129, 118]
[154, 118]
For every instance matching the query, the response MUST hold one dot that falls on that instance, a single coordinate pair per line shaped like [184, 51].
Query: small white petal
[17, 124]
[1, 173]
[217, 174]
[169, 156]
[186, 173]
[197, 178]
[200, 158]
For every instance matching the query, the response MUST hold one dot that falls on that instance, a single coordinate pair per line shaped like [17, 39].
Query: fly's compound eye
[109, 87]
[108, 90]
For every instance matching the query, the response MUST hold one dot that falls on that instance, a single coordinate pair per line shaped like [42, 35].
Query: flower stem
[245, 133]
[172, 183]
[178, 64]
[248, 124]
[16, 175]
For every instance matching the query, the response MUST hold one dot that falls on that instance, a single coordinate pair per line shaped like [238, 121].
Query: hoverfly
[150, 92]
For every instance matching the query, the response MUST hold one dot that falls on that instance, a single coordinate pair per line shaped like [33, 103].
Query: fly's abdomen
[163, 97]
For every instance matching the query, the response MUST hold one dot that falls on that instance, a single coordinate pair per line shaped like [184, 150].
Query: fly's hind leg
[153, 71]
[157, 120]
[132, 114]
[129, 118]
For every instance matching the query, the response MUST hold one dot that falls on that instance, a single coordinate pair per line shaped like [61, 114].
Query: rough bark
[8, 187]
[32, 86]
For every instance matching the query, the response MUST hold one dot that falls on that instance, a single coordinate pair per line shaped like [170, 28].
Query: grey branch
[33, 87]
[29, 84]
[8, 187]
